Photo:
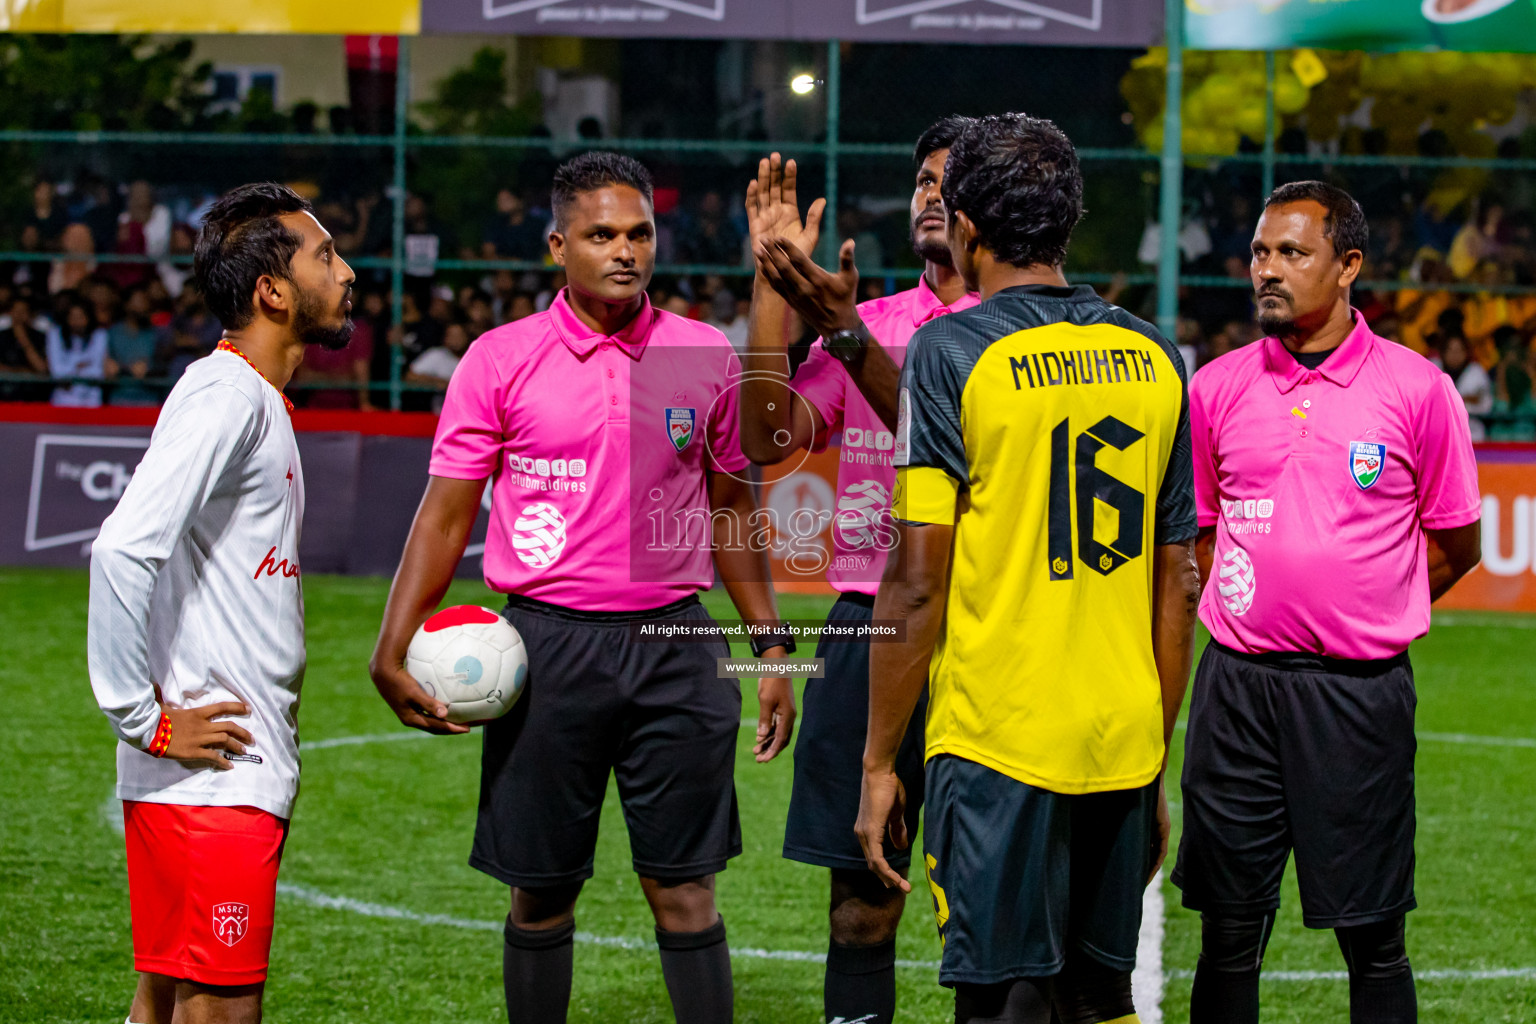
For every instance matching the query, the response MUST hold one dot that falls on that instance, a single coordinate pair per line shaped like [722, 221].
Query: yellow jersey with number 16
[1059, 424]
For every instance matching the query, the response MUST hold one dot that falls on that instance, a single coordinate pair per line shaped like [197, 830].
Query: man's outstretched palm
[773, 206]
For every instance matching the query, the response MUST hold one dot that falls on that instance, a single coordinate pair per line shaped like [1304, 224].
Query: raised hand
[826, 302]
[773, 206]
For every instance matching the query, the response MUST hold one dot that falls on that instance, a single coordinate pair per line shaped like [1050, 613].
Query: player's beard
[307, 323]
[932, 252]
[1277, 325]
[1276, 321]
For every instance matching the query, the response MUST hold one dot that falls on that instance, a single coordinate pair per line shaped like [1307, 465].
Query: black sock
[1227, 975]
[1381, 989]
[1020, 1001]
[536, 972]
[1088, 992]
[1383, 1000]
[697, 968]
[861, 984]
[1224, 997]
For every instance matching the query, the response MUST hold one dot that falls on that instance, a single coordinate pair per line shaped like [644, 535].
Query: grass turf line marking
[751, 723]
[112, 811]
[1147, 980]
[1433, 974]
[1458, 737]
[1484, 621]
[1484, 741]
[357, 741]
[326, 901]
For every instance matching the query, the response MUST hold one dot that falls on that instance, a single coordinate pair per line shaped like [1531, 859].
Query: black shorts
[1299, 751]
[1020, 875]
[829, 755]
[597, 702]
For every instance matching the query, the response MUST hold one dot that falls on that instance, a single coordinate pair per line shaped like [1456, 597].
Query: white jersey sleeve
[195, 442]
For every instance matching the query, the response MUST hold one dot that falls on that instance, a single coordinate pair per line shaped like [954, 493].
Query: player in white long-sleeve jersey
[196, 633]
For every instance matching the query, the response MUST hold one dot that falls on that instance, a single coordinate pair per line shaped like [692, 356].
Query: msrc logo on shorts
[231, 921]
[1365, 461]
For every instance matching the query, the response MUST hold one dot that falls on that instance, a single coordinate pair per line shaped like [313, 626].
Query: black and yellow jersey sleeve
[1064, 421]
[930, 460]
[1176, 522]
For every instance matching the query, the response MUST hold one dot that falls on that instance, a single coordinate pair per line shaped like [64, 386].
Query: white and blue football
[471, 659]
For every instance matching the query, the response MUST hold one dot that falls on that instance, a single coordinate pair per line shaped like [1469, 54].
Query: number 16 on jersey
[1077, 464]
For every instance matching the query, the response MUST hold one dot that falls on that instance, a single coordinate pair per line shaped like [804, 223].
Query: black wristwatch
[847, 345]
[765, 641]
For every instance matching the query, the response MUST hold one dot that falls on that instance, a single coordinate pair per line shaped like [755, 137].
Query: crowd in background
[122, 332]
[1458, 249]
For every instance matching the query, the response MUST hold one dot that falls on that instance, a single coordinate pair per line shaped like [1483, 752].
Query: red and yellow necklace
[226, 346]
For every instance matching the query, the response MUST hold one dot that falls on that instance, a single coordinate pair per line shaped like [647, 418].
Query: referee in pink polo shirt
[609, 430]
[1337, 497]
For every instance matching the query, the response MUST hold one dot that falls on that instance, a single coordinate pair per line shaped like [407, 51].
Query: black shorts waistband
[1304, 661]
[556, 611]
[854, 597]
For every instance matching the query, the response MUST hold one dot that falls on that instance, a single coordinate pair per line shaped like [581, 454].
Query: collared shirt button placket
[600, 356]
[614, 381]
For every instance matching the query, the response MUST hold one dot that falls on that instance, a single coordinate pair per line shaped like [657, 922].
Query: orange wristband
[162, 739]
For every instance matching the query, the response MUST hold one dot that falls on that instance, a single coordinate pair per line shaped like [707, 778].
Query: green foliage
[100, 83]
[472, 100]
[1457, 93]
[256, 114]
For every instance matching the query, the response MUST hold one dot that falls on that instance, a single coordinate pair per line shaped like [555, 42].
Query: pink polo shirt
[1320, 484]
[865, 475]
[598, 447]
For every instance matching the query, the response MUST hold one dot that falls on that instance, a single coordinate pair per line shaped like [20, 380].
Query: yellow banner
[264, 17]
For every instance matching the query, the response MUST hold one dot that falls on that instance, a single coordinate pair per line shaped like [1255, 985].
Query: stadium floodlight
[803, 84]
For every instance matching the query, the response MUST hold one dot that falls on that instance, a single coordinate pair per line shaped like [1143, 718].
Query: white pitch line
[315, 897]
[751, 723]
[1145, 996]
[355, 741]
[1482, 741]
[1147, 978]
[1458, 737]
[1147, 981]
[1484, 621]
[1433, 974]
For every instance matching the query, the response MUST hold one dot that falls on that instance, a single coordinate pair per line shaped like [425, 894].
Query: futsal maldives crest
[679, 427]
[231, 921]
[1365, 461]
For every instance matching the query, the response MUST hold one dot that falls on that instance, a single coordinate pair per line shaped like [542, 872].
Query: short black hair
[242, 241]
[939, 135]
[1017, 178]
[1344, 226]
[597, 170]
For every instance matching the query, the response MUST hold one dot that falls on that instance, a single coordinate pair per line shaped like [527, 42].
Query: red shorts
[202, 882]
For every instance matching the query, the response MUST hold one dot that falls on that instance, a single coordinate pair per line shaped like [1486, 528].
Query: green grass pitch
[384, 827]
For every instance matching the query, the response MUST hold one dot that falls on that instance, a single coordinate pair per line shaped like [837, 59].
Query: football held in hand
[471, 659]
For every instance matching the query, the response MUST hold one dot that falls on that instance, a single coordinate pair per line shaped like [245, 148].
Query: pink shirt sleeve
[469, 437]
[1447, 466]
[725, 425]
[1207, 499]
[822, 381]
